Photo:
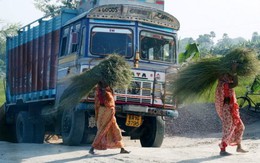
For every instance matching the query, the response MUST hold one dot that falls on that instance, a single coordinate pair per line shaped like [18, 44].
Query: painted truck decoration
[51, 49]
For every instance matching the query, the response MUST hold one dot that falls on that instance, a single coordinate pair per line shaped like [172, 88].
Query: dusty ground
[194, 138]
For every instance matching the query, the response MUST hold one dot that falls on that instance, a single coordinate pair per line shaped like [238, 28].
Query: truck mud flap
[3, 126]
[90, 129]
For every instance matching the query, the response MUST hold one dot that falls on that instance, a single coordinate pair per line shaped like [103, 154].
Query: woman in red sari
[108, 133]
[228, 111]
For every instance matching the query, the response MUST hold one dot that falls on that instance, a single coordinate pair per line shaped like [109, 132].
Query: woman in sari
[108, 132]
[228, 111]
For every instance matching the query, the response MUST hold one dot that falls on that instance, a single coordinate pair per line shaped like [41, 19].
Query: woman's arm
[235, 81]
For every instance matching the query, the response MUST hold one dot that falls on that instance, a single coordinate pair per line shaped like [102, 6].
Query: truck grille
[140, 92]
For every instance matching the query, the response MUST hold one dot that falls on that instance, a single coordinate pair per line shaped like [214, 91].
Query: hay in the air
[114, 71]
[199, 78]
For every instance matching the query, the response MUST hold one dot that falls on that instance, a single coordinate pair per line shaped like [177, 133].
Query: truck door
[69, 50]
[68, 55]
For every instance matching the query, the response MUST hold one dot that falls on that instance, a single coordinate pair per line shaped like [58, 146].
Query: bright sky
[234, 17]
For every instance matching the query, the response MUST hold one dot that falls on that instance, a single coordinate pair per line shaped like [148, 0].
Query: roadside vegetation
[2, 92]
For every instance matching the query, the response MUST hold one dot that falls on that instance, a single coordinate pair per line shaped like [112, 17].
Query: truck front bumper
[145, 110]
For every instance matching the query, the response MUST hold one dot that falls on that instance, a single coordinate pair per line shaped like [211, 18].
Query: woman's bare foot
[240, 149]
[124, 151]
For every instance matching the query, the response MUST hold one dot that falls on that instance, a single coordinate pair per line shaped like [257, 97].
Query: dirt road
[192, 138]
[181, 149]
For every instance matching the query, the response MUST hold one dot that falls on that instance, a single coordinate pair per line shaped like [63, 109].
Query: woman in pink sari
[108, 133]
[228, 111]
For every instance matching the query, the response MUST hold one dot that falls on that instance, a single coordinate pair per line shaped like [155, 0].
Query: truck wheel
[24, 128]
[90, 130]
[153, 132]
[72, 126]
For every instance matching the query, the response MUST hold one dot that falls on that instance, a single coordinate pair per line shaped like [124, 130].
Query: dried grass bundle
[248, 64]
[195, 79]
[114, 71]
[199, 78]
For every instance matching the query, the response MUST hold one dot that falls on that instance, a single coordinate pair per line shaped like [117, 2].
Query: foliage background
[2, 92]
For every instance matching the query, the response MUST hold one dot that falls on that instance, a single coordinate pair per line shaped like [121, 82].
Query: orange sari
[108, 133]
[232, 125]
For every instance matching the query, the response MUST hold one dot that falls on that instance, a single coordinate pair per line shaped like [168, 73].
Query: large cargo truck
[51, 49]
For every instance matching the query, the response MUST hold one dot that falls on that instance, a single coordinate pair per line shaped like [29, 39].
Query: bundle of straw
[113, 71]
[199, 78]
[248, 63]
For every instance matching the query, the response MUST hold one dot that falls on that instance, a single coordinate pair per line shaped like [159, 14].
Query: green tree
[52, 7]
[212, 34]
[183, 43]
[255, 37]
[223, 45]
[205, 43]
[6, 31]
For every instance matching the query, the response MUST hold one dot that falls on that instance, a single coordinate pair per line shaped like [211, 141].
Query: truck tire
[24, 128]
[72, 127]
[153, 132]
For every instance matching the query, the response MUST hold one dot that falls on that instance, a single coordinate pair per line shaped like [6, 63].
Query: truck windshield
[157, 47]
[106, 41]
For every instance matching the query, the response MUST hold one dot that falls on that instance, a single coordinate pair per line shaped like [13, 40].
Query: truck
[47, 51]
